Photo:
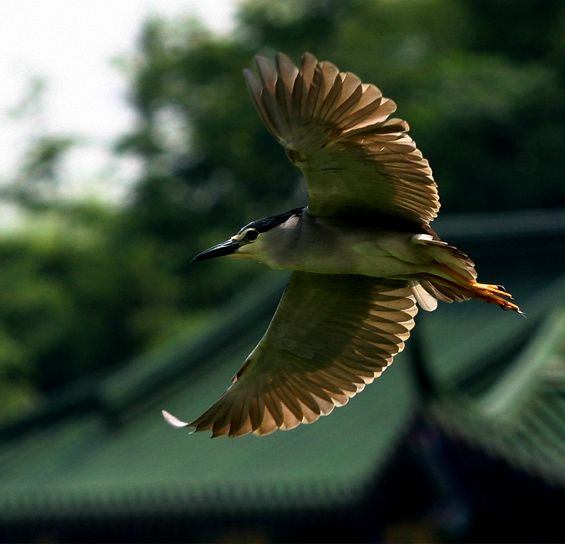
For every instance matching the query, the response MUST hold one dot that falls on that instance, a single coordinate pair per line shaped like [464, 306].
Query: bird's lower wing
[331, 335]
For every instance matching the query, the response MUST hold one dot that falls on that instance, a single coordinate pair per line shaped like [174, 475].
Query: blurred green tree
[82, 290]
[82, 293]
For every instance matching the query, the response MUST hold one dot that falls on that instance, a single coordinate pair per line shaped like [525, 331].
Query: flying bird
[362, 251]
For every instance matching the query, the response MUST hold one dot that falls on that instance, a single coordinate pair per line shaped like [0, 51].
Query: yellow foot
[494, 294]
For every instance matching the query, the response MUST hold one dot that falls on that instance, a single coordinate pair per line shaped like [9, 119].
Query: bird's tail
[463, 289]
[455, 280]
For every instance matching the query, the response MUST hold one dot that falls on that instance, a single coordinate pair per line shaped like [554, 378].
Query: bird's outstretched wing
[336, 129]
[331, 335]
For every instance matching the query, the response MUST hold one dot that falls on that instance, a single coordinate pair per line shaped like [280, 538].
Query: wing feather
[330, 337]
[290, 400]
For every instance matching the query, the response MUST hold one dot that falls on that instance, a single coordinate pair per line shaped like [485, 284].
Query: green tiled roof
[103, 445]
[521, 416]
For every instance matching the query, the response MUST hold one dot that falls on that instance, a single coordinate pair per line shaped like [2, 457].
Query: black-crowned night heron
[362, 251]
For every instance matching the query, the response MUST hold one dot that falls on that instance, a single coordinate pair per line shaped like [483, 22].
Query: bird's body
[323, 245]
[362, 251]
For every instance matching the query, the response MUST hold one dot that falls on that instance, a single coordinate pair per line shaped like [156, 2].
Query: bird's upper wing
[330, 336]
[336, 129]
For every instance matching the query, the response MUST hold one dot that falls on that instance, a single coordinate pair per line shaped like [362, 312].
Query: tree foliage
[81, 293]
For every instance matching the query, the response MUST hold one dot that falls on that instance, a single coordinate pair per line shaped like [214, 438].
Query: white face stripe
[247, 235]
[267, 223]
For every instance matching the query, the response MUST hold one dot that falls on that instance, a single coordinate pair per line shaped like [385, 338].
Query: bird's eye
[251, 235]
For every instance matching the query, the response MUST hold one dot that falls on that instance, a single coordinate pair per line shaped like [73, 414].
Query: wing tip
[174, 421]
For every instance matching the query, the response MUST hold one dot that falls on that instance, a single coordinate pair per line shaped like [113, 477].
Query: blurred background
[129, 144]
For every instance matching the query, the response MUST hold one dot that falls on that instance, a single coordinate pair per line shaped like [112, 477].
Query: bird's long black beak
[225, 248]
